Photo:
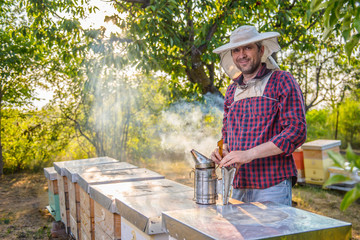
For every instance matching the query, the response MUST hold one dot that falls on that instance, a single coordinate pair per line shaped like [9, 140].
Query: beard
[251, 67]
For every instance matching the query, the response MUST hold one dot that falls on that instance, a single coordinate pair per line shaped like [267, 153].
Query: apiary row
[102, 198]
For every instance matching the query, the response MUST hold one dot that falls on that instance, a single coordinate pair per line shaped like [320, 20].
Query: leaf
[350, 155]
[327, 32]
[350, 197]
[336, 179]
[316, 5]
[346, 34]
[337, 158]
[357, 24]
[349, 46]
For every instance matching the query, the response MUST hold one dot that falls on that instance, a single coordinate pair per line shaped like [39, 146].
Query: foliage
[178, 37]
[321, 68]
[349, 124]
[318, 124]
[32, 139]
[113, 107]
[351, 166]
[323, 123]
[39, 48]
[343, 17]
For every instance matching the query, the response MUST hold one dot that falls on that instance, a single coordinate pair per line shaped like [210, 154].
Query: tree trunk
[336, 123]
[197, 74]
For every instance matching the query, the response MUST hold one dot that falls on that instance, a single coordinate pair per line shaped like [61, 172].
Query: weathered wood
[100, 234]
[319, 154]
[64, 201]
[53, 186]
[317, 160]
[84, 234]
[87, 214]
[74, 207]
[109, 223]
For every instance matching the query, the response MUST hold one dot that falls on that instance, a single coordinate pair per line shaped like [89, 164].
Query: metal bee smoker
[207, 186]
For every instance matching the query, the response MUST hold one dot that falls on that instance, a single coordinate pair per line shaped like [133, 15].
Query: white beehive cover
[321, 144]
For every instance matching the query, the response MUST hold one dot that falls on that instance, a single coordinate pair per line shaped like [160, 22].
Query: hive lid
[321, 144]
[50, 173]
[72, 172]
[105, 194]
[59, 166]
[116, 176]
[265, 220]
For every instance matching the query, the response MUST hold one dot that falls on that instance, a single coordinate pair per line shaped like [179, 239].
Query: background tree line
[102, 107]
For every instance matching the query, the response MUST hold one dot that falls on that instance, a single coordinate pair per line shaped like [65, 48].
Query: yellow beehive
[317, 161]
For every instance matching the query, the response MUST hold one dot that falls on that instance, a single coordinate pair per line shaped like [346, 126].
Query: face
[247, 58]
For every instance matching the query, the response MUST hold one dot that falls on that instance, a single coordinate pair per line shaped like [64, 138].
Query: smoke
[192, 125]
[126, 123]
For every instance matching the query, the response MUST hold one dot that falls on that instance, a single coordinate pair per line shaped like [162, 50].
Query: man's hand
[215, 155]
[236, 157]
[241, 157]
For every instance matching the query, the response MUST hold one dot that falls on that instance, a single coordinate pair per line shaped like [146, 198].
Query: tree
[17, 54]
[320, 68]
[32, 139]
[177, 37]
[109, 107]
[341, 17]
[38, 47]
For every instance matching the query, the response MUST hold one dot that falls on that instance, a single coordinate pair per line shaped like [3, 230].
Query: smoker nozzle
[200, 160]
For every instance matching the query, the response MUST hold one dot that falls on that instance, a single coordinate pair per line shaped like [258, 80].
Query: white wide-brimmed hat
[245, 35]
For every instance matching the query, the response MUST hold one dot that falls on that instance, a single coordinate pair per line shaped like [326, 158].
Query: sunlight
[96, 19]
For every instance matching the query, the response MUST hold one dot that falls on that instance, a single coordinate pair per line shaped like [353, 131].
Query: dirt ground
[24, 198]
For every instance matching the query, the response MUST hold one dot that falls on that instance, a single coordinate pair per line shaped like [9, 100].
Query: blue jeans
[280, 193]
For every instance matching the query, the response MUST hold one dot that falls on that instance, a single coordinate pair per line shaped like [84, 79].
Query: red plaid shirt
[277, 116]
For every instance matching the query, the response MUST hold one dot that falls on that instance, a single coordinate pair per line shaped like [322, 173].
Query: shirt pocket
[264, 106]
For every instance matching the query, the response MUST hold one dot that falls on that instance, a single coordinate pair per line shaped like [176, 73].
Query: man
[264, 118]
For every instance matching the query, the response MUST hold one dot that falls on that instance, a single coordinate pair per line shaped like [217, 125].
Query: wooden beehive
[87, 226]
[64, 201]
[98, 222]
[107, 224]
[79, 197]
[63, 187]
[108, 220]
[74, 208]
[53, 192]
[317, 161]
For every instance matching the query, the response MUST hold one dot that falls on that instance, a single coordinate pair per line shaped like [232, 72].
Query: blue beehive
[54, 205]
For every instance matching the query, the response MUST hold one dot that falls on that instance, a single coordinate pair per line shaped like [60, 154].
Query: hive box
[108, 222]
[141, 216]
[63, 183]
[54, 206]
[298, 156]
[317, 161]
[346, 185]
[76, 193]
[255, 220]
[89, 208]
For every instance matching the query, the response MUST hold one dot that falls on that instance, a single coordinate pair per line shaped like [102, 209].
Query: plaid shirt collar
[260, 75]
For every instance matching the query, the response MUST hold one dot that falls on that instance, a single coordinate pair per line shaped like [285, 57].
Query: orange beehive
[298, 156]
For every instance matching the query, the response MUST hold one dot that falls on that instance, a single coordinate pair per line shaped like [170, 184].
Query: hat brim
[260, 37]
[270, 46]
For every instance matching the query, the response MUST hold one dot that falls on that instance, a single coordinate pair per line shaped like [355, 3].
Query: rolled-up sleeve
[291, 115]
